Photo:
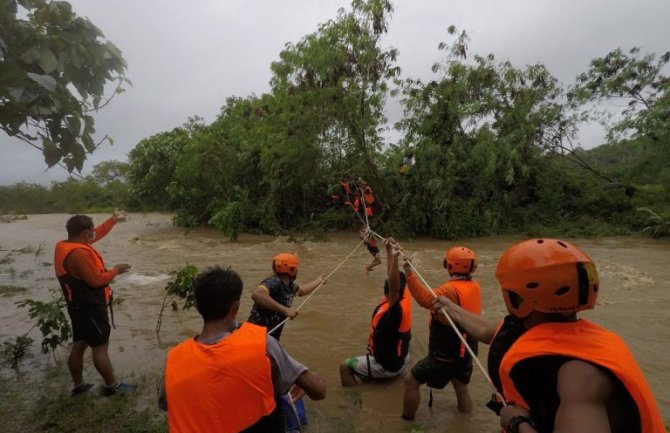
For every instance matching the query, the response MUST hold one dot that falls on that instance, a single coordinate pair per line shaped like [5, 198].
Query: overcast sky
[186, 58]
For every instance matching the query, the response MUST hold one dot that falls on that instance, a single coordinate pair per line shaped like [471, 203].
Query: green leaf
[48, 61]
[88, 142]
[46, 81]
[74, 125]
[52, 154]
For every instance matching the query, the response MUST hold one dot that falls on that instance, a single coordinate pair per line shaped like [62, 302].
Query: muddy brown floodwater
[333, 325]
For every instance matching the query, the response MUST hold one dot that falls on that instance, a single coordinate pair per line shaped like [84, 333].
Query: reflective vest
[225, 387]
[75, 290]
[591, 343]
[443, 343]
[391, 348]
[367, 196]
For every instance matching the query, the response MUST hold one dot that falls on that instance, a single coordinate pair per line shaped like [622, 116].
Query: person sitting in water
[390, 330]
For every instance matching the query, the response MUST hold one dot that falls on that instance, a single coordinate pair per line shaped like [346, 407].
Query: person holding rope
[558, 372]
[390, 330]
[358, 195]
[273, 298]
[230, 378]
[447, 360]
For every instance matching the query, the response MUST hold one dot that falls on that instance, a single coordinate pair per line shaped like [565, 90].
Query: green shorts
[437, 374]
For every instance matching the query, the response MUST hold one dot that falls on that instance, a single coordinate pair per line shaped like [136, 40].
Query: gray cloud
[186, 58]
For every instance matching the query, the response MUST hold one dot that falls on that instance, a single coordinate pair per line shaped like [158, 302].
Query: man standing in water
[558, 373]
[273, 298]
[447, 360]
[230, 378]
[85, 280]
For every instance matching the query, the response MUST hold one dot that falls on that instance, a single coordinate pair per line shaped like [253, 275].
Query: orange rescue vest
[76, 291]
[224, 387]
[403, 336]
[589, 342]
[443, 343]
[364, 197]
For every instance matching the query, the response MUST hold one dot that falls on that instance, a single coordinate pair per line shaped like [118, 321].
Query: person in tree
[84, 280]
[230, 378]
[558, 372]
[273, 298]
[359, 196]
[447, 359]
[390, 330]
[407, 161]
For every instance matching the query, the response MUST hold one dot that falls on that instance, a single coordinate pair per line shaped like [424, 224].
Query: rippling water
[333, 325]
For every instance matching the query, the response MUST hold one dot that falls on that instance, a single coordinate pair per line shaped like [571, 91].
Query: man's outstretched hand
[119, 215]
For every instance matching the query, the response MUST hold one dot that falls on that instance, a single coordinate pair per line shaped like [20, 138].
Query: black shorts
[437, 374]
[91, 324]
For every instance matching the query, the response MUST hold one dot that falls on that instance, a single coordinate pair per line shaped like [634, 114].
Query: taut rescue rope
[318, 287]
[451, 322]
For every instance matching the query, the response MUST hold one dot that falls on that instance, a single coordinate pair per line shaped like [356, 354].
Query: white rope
[453, 325]
[365, 210]
[319, 286]
[295, 412]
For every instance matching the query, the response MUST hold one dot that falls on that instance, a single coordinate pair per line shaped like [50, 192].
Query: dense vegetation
[495, 146]
[54, 66]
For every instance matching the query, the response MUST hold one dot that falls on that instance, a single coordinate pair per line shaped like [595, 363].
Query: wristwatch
[516, 421]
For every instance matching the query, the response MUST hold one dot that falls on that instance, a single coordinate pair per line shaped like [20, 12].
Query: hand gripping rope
[318, 287]
[425, 283]
[451, 322]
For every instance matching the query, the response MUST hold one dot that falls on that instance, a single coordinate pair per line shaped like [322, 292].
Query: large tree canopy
[54, 67]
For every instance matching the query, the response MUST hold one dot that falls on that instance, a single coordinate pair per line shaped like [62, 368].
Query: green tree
[151, 167]
[54, 67]
[638, 81]
[481, 129]
[266, 163]
[339, 78]
[640, 84]
[107, 172]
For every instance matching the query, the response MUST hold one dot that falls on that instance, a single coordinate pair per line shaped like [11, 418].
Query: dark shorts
[91, 324]
[438, 374]
[372, 246]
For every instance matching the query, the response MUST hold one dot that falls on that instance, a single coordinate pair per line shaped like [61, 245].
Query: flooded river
[333, 325]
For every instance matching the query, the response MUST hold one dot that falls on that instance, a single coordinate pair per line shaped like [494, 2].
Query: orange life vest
[398, 342]
[224, 387]
[363, 199]
[75, 290]
[589, 342]
[443, 343]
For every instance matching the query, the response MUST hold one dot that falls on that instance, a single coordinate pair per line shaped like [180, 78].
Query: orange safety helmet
[460, 260]
[285, 263]
[547, 275]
